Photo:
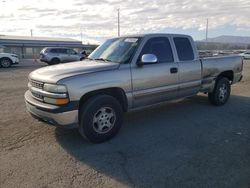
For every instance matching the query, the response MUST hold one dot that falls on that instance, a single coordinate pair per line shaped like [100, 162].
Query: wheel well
[6, 58]
[115, 92]
[227, 74]
[55, 58]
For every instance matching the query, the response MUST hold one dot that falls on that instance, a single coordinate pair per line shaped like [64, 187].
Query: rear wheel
[54, 61]
[5, 62]
[221, 92]
[100, 118]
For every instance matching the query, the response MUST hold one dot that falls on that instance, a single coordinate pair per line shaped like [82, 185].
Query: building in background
[30, 47]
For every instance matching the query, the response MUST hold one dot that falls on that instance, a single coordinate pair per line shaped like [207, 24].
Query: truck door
[189, 67]
[157, 82]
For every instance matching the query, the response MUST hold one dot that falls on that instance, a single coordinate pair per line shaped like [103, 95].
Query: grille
[36, 84]
[37, 96]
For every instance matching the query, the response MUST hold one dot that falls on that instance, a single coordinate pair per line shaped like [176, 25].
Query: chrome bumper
[67, 119]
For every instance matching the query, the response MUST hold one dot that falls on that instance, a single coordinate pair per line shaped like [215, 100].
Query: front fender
[79, 85]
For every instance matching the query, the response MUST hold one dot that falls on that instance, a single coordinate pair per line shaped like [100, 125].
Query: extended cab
[123, 74]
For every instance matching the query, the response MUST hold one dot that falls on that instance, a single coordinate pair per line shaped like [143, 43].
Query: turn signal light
[56, 101]
[62, 101]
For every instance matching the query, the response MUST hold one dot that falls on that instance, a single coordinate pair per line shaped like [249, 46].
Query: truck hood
[52, 74]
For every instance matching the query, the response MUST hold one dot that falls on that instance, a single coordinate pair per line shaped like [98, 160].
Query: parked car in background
[57, 55]
[246, 55]
[8, 59]
[205, 53]
[126, 73]
[84, 53]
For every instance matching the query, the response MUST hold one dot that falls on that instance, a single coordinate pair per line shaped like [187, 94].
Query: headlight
[15, 56]
[56, 101]
[55, 88]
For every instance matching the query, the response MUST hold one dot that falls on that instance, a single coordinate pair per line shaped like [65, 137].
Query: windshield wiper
[102, 59]
[88, 58]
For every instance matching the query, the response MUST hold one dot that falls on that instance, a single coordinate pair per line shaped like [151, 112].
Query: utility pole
[33, 53]
[81, 34]
[118, 21]
[207, 30]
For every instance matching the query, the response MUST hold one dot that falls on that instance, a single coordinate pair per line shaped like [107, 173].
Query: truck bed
[213, 66]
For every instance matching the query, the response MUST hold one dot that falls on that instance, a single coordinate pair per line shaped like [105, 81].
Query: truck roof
[155, 34]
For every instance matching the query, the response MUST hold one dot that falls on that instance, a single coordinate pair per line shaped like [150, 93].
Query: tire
[54, 61]
[221, 92]
[5, 62]
[100, 118]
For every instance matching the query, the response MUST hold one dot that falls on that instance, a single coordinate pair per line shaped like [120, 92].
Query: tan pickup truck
[123, 74]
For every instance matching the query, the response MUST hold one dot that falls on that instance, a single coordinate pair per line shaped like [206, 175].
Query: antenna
[207, 30]
[81, 33]
[118, 21]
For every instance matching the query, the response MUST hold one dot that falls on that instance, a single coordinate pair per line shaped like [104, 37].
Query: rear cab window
[184, 49]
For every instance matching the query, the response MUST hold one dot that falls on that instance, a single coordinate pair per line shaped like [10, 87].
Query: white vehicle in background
[246, 55]
[8, 59]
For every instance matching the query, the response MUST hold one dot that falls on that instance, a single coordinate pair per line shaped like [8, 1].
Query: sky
[97, 20]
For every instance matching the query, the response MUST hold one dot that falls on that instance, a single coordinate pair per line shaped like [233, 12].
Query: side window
[184, 49]
[62, 51]
[70, 51]
[159, 46]
[53, 50]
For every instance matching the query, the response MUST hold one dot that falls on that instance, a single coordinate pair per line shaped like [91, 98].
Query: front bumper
[51, 114]
[15, 61]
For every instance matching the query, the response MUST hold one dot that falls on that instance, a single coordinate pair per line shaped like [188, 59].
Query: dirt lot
[184, 144]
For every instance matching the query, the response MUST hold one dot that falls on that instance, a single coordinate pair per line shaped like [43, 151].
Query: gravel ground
[184, 144]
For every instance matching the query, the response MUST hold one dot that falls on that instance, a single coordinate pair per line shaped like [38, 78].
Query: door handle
[173, 70]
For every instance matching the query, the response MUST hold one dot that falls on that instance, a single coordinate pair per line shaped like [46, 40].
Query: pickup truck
[8, 59]
[123, 74]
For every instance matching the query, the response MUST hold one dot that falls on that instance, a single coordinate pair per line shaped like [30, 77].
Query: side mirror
[148, 59]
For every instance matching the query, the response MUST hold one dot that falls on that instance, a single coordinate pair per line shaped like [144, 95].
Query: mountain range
[229, 39]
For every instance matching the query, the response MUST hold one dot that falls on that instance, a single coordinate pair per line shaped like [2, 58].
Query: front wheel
[5, 62]
[221, 92]
[100, 118]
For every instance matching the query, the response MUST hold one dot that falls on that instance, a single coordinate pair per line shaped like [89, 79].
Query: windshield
[118, 50]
